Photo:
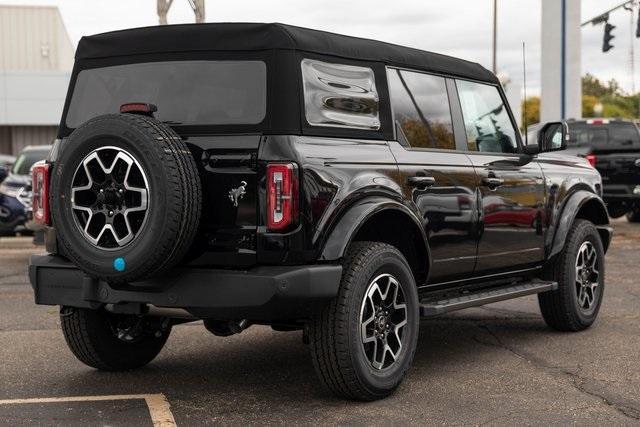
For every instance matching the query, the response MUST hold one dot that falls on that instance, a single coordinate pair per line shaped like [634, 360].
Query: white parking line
[159, 407]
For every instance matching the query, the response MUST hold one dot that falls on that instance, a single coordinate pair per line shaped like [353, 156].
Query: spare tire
[125, 197]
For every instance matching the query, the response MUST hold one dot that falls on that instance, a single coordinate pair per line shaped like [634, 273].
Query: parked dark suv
[269, 174]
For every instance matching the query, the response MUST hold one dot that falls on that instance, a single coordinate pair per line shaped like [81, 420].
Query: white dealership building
[36, 56]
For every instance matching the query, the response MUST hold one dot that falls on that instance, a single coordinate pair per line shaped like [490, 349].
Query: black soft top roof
[256, 37]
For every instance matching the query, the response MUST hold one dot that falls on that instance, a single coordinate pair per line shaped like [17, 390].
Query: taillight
[591, 158]
[40, 206]
[282, 195]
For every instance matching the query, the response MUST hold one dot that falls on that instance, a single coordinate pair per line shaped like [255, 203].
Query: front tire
[363, 341]
[579, 271]
[113, 342]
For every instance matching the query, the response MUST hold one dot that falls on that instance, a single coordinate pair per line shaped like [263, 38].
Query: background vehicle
[379, 184]
[5, 165]
[15, 190]
[612, 146]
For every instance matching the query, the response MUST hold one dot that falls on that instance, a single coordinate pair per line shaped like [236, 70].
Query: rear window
[26, 159]
[603, 134]
[185, 92]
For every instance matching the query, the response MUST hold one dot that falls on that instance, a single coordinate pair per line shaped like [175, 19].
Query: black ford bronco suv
[267, 174]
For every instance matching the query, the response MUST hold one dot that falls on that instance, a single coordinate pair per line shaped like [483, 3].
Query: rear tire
[634, 215]
[616, 210]
[573, 307]
[346, 334]
[92, 336]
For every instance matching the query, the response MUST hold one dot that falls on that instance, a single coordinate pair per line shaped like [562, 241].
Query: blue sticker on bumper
[119, 264]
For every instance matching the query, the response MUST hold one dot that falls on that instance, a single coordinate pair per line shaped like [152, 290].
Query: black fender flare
[346, 228]
[568, 214]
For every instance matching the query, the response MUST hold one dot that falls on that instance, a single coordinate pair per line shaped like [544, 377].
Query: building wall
[14, 138]
[32, 97]
[36, 57]
[5, 140]
[33, 38]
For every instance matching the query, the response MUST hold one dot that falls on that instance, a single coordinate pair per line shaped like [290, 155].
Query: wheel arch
[383, 220]
[581, 205]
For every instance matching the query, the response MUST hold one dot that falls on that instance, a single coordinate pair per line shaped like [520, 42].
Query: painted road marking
[159, 407]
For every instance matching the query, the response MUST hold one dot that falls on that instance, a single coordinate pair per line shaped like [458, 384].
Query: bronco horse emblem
[236, 194]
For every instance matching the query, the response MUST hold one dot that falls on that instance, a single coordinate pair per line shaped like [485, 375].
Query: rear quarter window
[338, 95]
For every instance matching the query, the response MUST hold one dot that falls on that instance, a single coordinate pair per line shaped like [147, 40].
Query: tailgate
[619, 168]
[227, 166]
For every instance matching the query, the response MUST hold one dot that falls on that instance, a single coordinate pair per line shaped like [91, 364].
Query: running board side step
[434, 306]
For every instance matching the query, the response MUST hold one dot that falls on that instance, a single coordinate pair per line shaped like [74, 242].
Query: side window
[421, 107]
[486, 119]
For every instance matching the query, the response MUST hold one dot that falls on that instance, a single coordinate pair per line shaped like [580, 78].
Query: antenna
[524, 85]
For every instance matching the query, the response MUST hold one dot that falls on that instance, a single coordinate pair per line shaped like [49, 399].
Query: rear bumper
[260, 294]
[622, 193]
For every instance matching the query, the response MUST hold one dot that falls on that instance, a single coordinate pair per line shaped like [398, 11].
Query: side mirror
[553, 137]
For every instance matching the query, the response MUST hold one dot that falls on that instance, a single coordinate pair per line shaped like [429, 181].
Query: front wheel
[363, 342]
[579, 271]
[113, 342]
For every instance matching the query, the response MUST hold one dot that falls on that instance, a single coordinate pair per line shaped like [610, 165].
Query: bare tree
[163, 7]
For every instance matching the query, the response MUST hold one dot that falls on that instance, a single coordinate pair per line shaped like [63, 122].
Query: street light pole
[495, 35]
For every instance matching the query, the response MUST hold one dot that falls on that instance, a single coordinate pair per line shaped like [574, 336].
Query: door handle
[421, 181]
[492, 182]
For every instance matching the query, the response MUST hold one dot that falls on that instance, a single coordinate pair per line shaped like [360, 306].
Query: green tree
[532, 107]
[615, 102]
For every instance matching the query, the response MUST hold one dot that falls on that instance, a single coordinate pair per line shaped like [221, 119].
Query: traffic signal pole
[603, 18]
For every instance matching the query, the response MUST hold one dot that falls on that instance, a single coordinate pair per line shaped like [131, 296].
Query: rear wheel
[634, 215]
[617, 210]
[113, 342]
[579, 271]
[363, 342]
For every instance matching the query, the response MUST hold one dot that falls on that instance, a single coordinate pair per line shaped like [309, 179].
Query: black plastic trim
[263, 293]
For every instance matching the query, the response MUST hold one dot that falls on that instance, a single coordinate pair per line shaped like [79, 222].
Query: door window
[421, 108]
[486, 119]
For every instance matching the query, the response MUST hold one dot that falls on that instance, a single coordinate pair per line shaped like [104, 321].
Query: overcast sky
[460, 28]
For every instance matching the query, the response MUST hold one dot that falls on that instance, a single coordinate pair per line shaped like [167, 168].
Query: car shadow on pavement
[198, 367]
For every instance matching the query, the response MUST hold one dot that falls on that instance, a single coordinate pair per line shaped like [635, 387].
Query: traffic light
[638, 23]
[606, 41]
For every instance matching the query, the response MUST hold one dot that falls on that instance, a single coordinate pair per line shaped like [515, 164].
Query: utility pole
[632, 59]
[163, 7]
[495, 36]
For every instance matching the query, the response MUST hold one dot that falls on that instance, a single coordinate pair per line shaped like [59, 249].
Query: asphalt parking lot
[497, 365]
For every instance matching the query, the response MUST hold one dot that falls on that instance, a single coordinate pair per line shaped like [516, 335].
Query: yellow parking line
[159, 407]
